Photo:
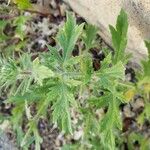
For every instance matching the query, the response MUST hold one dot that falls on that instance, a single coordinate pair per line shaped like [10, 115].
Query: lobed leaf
[68, 35]
[119, 37]
[89, 36]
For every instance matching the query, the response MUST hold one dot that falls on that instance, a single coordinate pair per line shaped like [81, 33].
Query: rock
[5, 144]
[105, 12]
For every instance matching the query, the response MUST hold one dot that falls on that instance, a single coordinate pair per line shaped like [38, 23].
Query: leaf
[147, 111]
[19, 22]
[91, 124]
[68, 35]
[145, 67]
[16, 120]
[100, 102]
[89, 36]
[38, 139]
[61, 112]
[129, 95]
[147, 44]
[119, 37]
[72, 82]
[41, 72]
[106, 62]
[108, 139]
[144, 76]
[86, 68]
[3, 24]
[25, 71]
[146, 87]
[8, 71]
[54, 54]
[117, 71]
[109, 76]
[111, 120]
[22, 4]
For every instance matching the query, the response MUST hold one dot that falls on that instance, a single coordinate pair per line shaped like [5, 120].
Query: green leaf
[144, 75]
[111, 120]
[89, 36]
[3, 24]
[106, 62]
[61, 112]
[72, 82]
[68, 35]
[109, 76]
[147, 44]
[100, 102]
[38, 139]
[54, 54]
[119, 37]
[41, 72]
[117, 71]
[86, 68]
[16, 120]
[9, 72]
[108, 139]
[145, 67]
[19, 22]
[23, 4]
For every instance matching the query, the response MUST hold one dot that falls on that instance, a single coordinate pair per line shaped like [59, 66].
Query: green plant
[143, 86]
[119, 38]
[12, 30]
[142, 140]
[22, 4]
[59, 80]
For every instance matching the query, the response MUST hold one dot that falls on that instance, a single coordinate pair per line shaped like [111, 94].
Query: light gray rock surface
[5, 144]
[105, 12]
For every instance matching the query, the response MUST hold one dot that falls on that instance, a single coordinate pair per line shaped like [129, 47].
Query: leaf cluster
[58, 81]
[13, 35]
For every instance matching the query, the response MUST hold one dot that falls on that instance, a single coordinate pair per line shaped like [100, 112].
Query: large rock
[105, 12]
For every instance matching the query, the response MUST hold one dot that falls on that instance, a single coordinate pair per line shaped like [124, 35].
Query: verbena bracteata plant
[58, 80]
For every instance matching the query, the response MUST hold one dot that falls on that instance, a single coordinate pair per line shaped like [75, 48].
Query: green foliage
[23, 71]
[68, 35]
[22, 4]
[143, 86]
[147, 44]
[19, 22]
[143, 141]
[17, 35]
[89, 36]
[58, 81]
[2, 26]
[109, 78]
[119, 37]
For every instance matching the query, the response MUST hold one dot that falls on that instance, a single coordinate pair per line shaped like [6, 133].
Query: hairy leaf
[119, 37]
[68, 36]
[89, 36]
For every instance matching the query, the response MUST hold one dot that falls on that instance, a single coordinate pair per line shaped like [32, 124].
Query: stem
[7, 17]
[125, 85]
[34, 120]
[38, 12]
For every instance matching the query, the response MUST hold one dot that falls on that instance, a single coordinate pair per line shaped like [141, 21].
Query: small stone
[78, 134]
[127, 111]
